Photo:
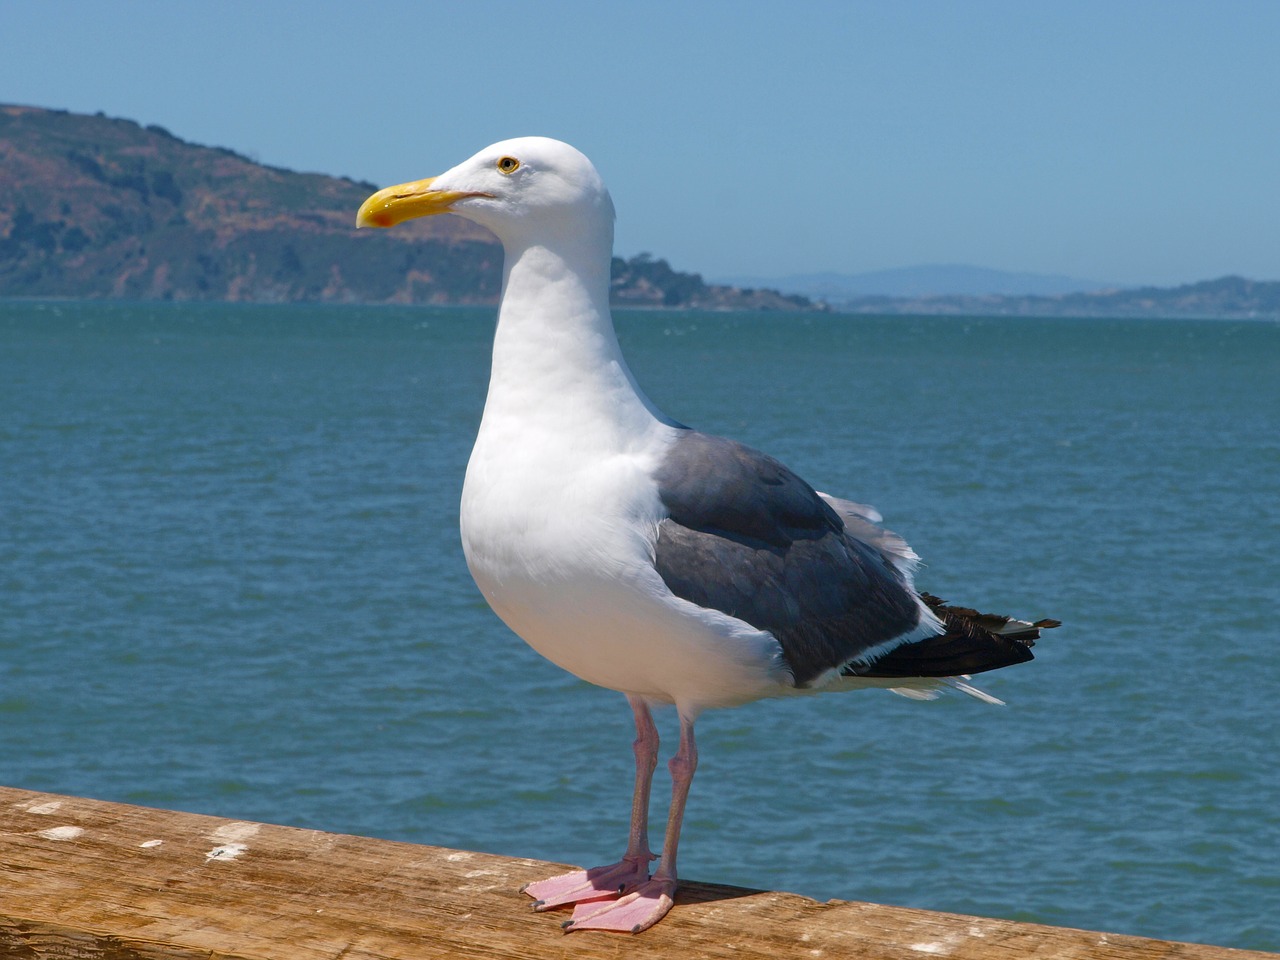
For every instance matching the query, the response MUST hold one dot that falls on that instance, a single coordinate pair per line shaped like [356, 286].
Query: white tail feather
[917, 693]
[958, 683]
[913, 688]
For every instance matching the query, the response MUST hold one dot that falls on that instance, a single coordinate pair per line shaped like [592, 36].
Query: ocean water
[230, 582]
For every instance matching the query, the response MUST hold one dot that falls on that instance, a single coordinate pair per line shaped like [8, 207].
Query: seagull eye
[508, 165]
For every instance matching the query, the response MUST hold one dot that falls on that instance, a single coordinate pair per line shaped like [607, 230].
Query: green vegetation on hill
[97, 207]
[644, 281]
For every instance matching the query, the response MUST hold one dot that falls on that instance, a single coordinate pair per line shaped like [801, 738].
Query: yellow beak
[405, 201]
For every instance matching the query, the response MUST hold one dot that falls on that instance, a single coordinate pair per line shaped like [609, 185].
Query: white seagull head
[512, 187]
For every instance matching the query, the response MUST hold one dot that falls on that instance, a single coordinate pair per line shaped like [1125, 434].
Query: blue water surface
[231, 583]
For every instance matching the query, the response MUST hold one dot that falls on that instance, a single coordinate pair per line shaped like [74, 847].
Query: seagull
[673, 566]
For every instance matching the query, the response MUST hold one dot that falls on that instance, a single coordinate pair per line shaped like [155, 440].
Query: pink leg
[641, 908]
[600, 883]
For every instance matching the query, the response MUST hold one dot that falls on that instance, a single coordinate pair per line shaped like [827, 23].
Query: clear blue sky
[1129, 142]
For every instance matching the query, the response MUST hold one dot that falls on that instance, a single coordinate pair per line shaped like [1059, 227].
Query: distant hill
[643, 281]
[97, 207]
[922, 281]
[976, 290]
[1226, 297]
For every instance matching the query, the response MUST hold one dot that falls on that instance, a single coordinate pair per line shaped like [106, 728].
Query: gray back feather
[748, 537]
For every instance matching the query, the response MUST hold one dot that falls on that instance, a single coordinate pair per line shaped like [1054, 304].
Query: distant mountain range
[1226, 297]
[958, 289]
[923, 281]
[96, 207]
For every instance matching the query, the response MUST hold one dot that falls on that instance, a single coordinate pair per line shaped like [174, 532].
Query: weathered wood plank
[88, 879]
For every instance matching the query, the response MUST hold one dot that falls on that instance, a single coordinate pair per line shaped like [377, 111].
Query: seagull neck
[555, 352]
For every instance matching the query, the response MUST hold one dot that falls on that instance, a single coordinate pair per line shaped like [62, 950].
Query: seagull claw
[585, 886]
[634, 913]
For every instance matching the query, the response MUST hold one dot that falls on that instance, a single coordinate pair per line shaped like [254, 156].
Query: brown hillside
[96, 207]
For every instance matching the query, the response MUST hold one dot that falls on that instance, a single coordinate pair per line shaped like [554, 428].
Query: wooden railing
[88, 879]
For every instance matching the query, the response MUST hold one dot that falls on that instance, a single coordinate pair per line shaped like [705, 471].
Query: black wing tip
[973, 642]
[997, 623]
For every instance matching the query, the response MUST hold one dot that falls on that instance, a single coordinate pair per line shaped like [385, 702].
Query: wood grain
[89, 879]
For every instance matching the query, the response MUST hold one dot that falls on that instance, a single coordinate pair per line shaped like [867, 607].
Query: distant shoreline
[657, 309]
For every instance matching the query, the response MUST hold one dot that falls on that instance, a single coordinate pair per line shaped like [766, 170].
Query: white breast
[559, 533]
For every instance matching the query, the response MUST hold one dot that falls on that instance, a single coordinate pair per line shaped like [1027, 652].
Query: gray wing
[748, 537]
